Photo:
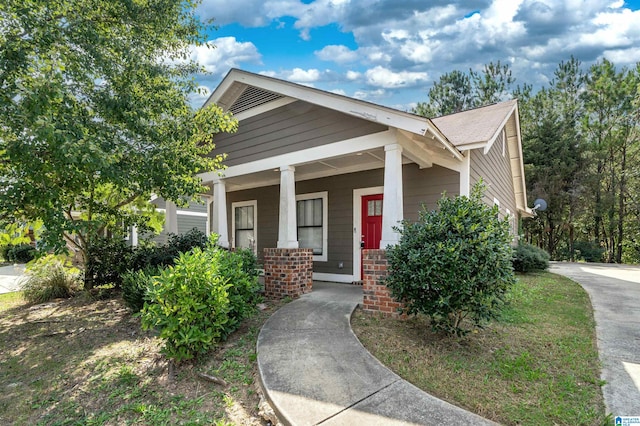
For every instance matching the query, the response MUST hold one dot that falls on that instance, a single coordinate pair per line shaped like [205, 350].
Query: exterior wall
[420, 185]
[186, 222]
[495, 169]
[268, 200]
[293, 127]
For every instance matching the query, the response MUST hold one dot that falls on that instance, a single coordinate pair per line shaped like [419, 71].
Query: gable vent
[251, 98]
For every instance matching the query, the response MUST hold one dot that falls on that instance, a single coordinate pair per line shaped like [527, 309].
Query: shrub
[529, 258]
[135, 285]
[453, 263]
[240, 269]
[108, 259]
[50, 277]
[22, 253]
[588, 251]
[189, 305]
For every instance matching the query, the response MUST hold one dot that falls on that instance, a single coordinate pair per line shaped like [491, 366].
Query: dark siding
[420, 186]
[425, 186]
[495, 170]
[267, 199]
[290, 128]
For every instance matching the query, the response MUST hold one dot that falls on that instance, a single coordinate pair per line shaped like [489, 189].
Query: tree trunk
[621, 203]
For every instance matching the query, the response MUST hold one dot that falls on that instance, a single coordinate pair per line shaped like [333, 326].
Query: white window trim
[325, 221]
[253, 203]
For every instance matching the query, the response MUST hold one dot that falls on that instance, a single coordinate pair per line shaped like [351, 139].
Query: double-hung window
[245, 224]
[311, 218]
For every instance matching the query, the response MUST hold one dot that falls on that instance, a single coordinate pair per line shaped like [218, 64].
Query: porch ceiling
[365, 160]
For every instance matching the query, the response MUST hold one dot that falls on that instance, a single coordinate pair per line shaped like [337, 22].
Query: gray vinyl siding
[420, 186]
[185, 222]
[425, 187]
[495, 169]
[267, 200]
[290, 128]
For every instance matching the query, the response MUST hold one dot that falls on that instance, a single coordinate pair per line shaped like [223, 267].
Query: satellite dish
[540, 204]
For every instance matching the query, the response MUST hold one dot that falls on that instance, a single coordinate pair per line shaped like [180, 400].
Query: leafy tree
[452, 93]
[611, 124]
[453, 263]
[553, 157]
[94, 114]
[492, 84]
[457, 91]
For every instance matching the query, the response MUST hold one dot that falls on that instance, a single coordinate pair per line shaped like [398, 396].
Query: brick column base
[376, 295]
[287, 272]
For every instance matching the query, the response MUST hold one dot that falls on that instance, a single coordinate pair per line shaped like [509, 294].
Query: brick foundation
[376, 295]
[287, 272]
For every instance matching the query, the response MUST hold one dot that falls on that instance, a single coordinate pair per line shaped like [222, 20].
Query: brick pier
[376, 295]
[287, 272]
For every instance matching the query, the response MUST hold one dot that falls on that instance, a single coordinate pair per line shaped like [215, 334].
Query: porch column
[134, 236]
[287, 228]
[465, 174]
[219, 213]
[392, 205]
[171, 218]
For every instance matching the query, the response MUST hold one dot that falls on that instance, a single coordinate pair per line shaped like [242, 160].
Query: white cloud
[299, 75]
[353, 75]
[385, 78]
[227, 53]
[337, 53]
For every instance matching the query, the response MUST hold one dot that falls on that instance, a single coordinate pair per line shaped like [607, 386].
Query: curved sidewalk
[315, 371]
[614, 291]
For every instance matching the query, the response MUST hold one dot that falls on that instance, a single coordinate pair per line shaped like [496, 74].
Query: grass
[537, 365]
[86, 362]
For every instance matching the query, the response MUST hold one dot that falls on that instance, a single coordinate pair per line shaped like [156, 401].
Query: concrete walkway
[315, 371]
[615, 295]
[10, 277]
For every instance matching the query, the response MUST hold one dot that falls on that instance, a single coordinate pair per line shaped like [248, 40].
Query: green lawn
[538, 365]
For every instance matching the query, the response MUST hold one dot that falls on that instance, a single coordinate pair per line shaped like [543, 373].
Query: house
[316, 179]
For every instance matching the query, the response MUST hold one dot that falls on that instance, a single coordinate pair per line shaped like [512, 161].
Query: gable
[293, 127]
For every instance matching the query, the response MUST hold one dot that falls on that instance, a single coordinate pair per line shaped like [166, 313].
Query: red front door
[371, 223]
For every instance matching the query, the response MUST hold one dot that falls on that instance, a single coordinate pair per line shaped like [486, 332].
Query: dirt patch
[84, 361]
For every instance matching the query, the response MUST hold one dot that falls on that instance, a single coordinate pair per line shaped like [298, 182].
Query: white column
[465, 174]
[392, 204]
[219, 224]
[171, 218]
[134, 236]
[287, 227]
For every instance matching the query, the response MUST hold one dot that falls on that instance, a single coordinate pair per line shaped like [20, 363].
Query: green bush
[588, 251]
[135, 285]
[110, 258]
[198, 301]
[22, 253]
[50, 277]
[529, 258]
[453, 263]
[240, 268]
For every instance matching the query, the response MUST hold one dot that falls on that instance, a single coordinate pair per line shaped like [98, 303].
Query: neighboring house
[313, 169]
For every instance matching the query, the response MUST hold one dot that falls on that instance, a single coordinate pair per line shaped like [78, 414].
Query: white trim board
[357, 225]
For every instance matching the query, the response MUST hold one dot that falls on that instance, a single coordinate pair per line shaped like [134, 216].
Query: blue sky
[391, 51]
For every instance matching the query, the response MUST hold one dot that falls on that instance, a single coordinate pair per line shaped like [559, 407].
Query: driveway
[615, 295]
[10, 278]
